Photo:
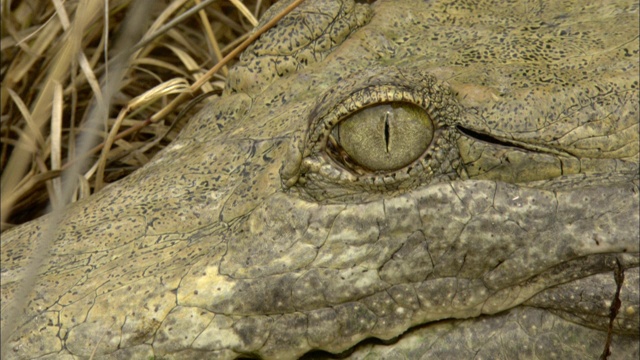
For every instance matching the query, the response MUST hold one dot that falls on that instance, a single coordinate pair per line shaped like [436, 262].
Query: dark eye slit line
[386, 131]
[489, 139]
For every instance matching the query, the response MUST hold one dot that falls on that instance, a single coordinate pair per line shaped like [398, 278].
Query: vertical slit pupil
[386, 130]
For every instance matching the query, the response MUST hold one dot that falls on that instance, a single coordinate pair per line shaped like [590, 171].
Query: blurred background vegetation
[62, 60]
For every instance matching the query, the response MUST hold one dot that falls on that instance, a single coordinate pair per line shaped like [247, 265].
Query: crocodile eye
[382, 137]
[382, 130]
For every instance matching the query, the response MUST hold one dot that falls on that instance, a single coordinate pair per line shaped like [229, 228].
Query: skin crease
[249, 237]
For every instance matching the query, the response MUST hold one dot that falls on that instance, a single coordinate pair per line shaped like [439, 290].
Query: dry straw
[57, 57]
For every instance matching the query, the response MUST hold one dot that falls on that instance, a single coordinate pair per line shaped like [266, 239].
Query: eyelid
[359, 100]
[378, 85]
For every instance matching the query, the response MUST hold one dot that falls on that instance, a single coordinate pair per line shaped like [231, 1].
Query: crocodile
[384, 179]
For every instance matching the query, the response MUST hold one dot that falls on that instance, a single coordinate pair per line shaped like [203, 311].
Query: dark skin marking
[618, 275]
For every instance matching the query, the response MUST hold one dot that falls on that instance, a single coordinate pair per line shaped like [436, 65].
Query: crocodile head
[452, 179]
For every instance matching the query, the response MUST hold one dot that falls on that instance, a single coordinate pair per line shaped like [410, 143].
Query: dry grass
[56, 59]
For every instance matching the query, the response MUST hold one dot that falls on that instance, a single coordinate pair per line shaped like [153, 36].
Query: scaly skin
[249, 236]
